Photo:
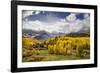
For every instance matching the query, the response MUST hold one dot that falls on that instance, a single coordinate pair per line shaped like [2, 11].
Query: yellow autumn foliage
[65, 45]
[29, 42]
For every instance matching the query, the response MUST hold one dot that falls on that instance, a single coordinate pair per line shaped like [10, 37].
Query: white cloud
[63, 26]
[71, 17]
[27, 13]
[37, 12]
[86, 15]
[62, 20]
[86, 22]
[37, 25]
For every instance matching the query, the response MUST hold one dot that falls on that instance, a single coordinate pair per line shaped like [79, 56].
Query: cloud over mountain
[57, 22]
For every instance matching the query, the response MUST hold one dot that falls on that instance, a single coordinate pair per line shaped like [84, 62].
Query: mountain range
[43, 35]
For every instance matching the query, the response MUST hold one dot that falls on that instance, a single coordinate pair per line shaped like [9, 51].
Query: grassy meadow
[63, 47]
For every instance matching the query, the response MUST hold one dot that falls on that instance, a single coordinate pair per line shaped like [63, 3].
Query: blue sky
[59, 22]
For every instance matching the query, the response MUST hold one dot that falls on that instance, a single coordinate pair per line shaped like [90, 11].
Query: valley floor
[45, 56]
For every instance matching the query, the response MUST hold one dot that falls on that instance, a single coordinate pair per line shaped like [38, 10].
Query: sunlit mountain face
[47, 24]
